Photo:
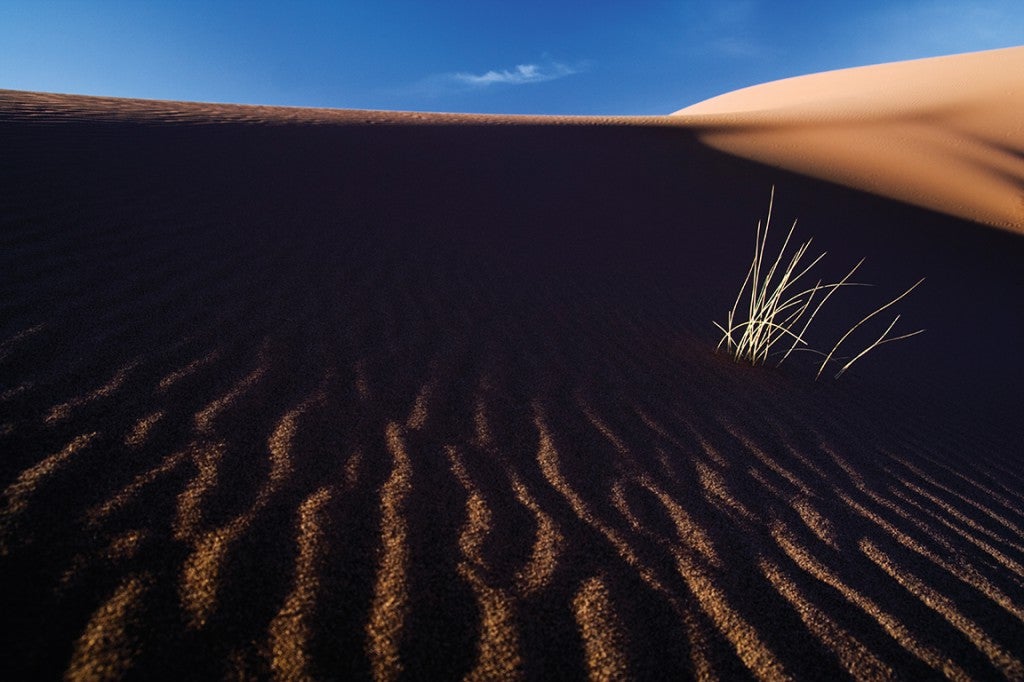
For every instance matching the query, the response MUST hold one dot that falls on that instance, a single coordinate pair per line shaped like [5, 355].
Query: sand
[309, 394]
[945, 133]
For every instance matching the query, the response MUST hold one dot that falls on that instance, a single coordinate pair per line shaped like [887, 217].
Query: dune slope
[944, 132]
[295, 394]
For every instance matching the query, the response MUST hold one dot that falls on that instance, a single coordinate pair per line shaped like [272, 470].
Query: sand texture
[945, 133]
[300, 394]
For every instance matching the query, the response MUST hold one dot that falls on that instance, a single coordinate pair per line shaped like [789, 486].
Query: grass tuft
[780, 306]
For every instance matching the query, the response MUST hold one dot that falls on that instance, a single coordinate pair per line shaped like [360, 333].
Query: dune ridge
[943, 132]
[301, 396]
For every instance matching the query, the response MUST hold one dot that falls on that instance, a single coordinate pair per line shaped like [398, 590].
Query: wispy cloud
[439, 84]
[522, 74]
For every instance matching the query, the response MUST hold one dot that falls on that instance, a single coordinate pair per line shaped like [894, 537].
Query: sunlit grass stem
[775, 313]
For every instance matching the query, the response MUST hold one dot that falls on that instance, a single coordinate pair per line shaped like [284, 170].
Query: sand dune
[300, 394]
[944, 133]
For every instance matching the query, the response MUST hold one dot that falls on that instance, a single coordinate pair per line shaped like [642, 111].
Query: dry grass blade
[775, 314]
[880, 340]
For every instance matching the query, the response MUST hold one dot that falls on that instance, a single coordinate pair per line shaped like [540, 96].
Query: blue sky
[575, 57]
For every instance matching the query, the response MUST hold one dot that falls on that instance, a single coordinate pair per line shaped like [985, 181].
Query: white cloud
[522, 74]
[443, 84]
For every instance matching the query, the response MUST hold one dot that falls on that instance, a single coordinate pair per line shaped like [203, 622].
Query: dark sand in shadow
[309, 395]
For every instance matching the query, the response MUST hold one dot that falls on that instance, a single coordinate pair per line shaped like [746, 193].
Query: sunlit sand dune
[945, 133]
[300, 394]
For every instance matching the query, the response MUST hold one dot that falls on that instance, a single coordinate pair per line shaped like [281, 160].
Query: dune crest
[943, 133]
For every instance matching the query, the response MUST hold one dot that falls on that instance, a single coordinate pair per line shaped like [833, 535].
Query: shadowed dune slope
[945, 133]
[291, 394]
